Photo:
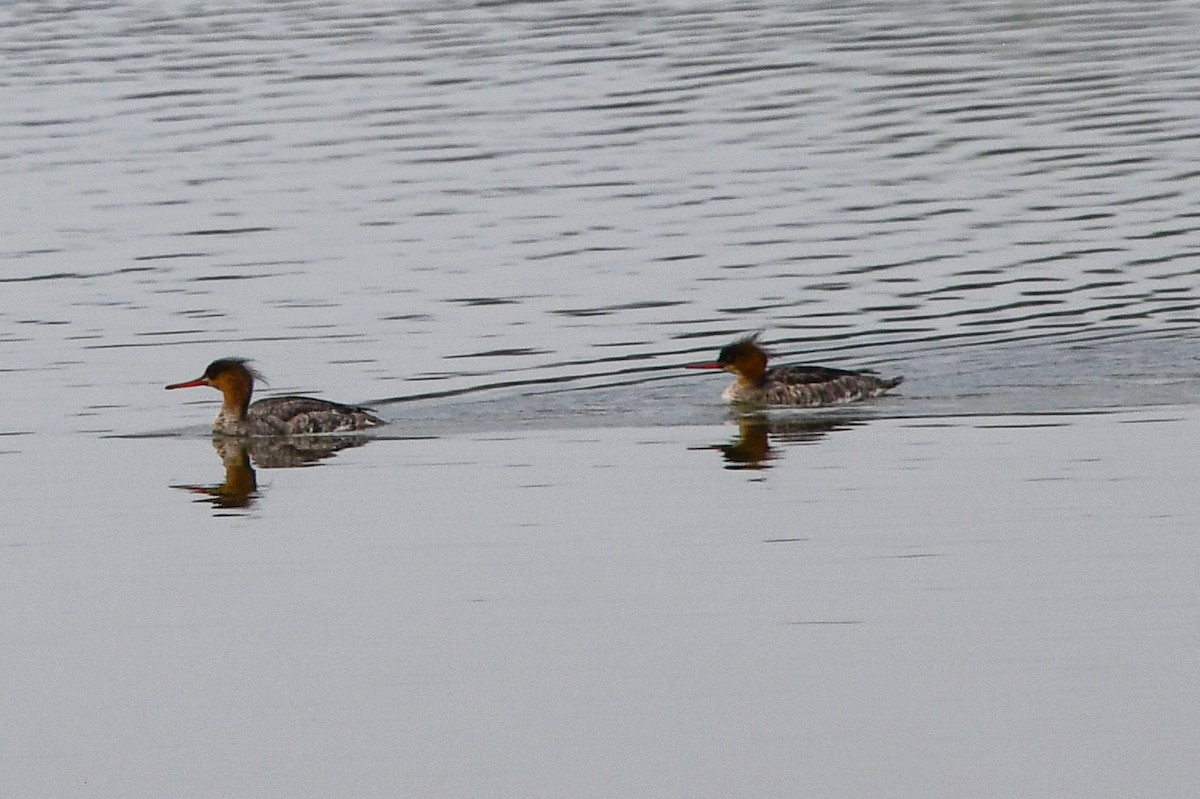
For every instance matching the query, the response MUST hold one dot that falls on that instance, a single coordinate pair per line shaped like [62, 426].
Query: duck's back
[305, 416]
[811, 386]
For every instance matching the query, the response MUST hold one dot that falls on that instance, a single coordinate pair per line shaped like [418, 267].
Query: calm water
[565, 570]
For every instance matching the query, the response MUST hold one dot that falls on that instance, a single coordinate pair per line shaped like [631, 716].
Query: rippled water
[385, 203]
[507, 225]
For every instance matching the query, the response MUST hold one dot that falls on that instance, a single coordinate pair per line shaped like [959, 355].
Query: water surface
[389, 204]
[993, 606]
[566, 569]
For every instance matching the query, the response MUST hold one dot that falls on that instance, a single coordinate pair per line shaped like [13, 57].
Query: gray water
[565, 568]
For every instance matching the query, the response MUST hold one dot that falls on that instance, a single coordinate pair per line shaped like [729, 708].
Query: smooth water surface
[1000, 606]
[566, 569]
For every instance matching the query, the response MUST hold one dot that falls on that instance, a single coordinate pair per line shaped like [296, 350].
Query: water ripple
[545, 192]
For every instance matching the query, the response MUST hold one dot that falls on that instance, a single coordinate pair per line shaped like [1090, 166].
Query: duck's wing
[807, 375]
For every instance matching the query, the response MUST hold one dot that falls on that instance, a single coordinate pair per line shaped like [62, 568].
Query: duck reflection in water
[752, 448]
[241, 455]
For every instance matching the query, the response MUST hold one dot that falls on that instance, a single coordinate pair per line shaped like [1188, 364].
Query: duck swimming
[276, 416]
[797, 386]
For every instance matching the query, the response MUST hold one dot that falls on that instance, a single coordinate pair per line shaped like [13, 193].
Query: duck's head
[233, 377]
[744, 358]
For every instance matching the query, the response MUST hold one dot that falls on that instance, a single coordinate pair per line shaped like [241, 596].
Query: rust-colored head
[233, 377]
[744, 358]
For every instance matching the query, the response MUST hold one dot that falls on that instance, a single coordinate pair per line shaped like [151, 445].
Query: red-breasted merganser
[800, 386]
[276, 416]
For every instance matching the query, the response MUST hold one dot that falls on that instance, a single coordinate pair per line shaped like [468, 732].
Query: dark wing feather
[812, 386]
[299, 415]
[805, 375]
[290, 406]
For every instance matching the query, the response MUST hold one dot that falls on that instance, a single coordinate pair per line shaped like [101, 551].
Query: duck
[799, 386]
[275, 416]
